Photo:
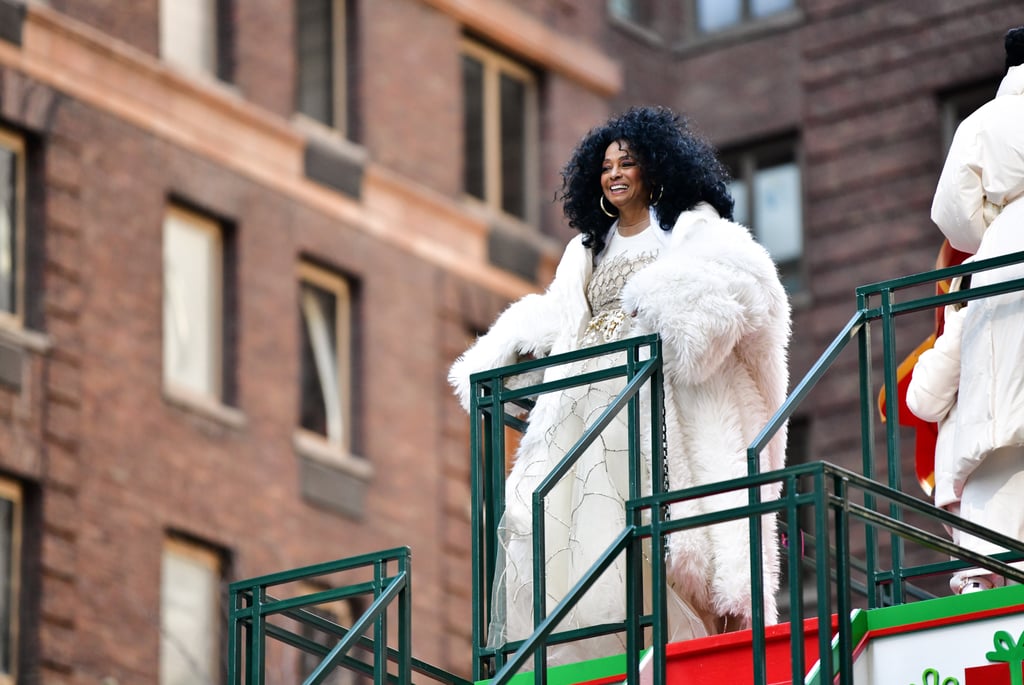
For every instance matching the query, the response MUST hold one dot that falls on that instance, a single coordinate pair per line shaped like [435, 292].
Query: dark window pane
[791, 275]
[958, 105]
[637, 11]
[473, 116]
[313, 407]
[513, 146]
[8, 228]
[309, 662]
[225, 27]
[314, 42]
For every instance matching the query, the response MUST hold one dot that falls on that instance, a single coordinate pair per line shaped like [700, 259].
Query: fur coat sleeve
[714, 287]
[532, 325]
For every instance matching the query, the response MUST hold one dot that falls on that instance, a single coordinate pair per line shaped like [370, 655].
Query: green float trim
[570, 674]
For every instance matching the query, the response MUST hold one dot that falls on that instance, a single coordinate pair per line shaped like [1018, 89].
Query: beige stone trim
[313, 446]
[32, 341]
[435, 217]
[517, 31]
[201, 405]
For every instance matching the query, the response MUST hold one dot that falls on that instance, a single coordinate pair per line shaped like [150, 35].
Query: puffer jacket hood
[984, 170]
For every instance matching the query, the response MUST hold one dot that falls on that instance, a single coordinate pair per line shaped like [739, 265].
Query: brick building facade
[346, 219]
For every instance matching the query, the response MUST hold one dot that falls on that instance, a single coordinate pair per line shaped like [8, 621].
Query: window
[326, 313]
[343, 613]
[193, 303]
[958, 105]
[717, 15]
[190, 600]
[325, 55]
[12, 227]
[634, 11]
[500, 131]
[769, 199]
[10, 578]
[194, 35]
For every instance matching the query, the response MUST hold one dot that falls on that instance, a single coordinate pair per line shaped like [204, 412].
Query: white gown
[586, 510]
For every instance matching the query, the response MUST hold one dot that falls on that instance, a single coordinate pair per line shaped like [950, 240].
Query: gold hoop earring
[601, 202]
[661, 191]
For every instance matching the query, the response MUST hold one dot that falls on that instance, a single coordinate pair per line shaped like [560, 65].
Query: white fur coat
[715, 298]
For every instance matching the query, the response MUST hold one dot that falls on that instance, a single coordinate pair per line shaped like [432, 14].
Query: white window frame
[12, 492]
[338, 408]
[174, 31]
[209, 559]
[339, 59]
[173, 312]
[14, 143]
[494, 64]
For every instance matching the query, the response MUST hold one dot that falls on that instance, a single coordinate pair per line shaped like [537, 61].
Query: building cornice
[531, 39]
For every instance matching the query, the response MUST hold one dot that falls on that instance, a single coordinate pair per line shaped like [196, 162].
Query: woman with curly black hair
[658, 253]
[669, 157]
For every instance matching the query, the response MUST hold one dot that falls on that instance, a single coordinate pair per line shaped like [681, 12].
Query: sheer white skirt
[582, 515]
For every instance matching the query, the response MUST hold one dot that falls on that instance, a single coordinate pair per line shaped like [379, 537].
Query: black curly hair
[1013, 41]
[679, 166]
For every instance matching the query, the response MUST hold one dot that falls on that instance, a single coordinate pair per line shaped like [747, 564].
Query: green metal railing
[883, 585]
[492, 393]
[840, 503]
[255, 616]
[838, 500]
[879, 302]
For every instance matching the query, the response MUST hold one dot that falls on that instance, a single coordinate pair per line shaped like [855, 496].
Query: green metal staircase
[836, 506]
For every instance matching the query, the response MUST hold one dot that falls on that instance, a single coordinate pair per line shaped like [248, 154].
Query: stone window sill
[31, 341]
[204, 406]
[331, 477]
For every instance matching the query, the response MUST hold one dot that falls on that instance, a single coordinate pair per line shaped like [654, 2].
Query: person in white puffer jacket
[979, 207]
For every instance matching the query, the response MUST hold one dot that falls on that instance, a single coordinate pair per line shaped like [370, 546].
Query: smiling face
[622, 181]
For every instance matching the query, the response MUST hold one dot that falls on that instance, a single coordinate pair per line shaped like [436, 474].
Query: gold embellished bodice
[608, 320]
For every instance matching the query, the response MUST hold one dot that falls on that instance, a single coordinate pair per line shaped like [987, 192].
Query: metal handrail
[838, 502]
[488, 418]
[252, 609]
[828, 497]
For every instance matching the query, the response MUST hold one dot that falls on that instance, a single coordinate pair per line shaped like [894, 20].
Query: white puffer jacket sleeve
[936, 377]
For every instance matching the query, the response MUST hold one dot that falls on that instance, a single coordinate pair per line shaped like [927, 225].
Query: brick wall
[116, 464]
